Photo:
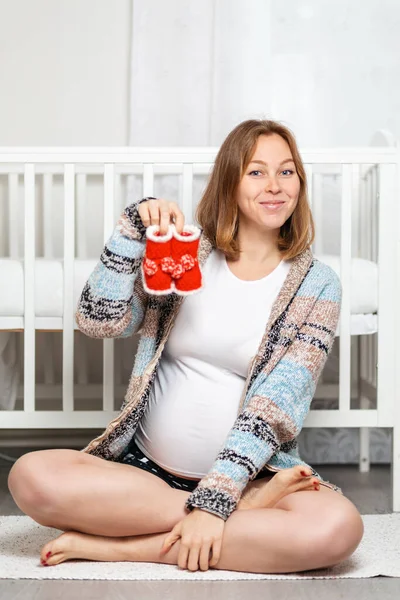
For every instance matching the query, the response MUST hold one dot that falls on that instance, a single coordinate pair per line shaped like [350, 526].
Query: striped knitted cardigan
[282, 376]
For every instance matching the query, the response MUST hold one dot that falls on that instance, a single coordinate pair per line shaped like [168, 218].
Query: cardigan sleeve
[113, 301]
[278, 405]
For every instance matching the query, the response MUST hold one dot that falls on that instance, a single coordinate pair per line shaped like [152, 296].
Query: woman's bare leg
[309, 531]
[75, 488]
[70, 490]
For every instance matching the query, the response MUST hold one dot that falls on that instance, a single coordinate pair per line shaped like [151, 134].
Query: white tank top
[202, 372]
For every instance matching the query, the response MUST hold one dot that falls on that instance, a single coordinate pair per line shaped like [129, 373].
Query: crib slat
[309, 174]
[387, 312]
[374, 215]
[29, 292]
[108, 344]
[148, 180]
[318, 213]
[48, 249]
[109, 217]
[369, 230]
[108, 374]
[81, 221]
[356, 199]
[81, 235]
[68, 312]
[13, 215]
[348, 173]
[118, 208]
[187, 192]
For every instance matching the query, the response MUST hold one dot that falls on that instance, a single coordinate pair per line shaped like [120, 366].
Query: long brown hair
[217, 213]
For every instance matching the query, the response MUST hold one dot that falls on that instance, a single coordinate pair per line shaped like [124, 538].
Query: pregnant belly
[188, 419]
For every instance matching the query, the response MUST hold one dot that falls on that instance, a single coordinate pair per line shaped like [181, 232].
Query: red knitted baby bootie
[156, 277]
[184, 264]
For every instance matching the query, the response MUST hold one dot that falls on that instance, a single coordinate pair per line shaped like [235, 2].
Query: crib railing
[119, 169]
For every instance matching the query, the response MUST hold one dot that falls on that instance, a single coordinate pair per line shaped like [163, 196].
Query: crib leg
[395, 472]
[82, 360]
[364, 464]
[49, 368]
[364, 461]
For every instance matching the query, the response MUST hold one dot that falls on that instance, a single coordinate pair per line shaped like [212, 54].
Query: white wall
[329, 69]
[194, 73]
[64, 69]
[336, 69]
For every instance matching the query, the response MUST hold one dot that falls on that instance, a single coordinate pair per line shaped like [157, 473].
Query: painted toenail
[303, 473]
[48, 554]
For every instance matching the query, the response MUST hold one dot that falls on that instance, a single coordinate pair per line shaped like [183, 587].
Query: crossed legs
[115, 512]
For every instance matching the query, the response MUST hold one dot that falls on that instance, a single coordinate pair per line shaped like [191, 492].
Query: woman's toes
[294, 475]
[47, 552]
[314, 484]
[56, 551]
[303, 471]
[305, 484]
[55, 559]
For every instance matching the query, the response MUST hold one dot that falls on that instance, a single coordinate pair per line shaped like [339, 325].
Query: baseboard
[45, 438]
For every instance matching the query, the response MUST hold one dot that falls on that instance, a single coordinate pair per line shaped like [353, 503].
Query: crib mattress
[49, 287]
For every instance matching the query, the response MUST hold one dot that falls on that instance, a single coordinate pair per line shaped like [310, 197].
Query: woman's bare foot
[73, 544]
[261, 494]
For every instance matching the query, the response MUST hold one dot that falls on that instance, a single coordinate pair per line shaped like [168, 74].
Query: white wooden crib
[40, 285]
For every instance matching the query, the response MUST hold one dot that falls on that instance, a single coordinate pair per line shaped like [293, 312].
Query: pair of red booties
[170, 262]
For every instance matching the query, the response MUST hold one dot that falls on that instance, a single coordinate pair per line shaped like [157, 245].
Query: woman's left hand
[200, 533]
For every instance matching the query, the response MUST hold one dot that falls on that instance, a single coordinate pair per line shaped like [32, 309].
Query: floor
[370, 492]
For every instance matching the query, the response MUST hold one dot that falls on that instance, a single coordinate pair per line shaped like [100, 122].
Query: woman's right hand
[161, 212]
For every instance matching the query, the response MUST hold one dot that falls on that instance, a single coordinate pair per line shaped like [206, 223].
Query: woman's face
[271, 180]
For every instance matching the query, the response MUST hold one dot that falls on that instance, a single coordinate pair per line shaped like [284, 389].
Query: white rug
[21, 540]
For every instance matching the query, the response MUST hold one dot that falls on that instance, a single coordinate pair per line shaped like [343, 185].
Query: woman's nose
[272, 184]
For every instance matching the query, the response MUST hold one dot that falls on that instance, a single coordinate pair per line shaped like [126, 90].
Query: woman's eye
[285, 171]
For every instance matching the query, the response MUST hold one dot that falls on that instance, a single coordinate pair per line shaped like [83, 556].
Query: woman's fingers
[183, 556]
[165, 216]
[172, 537]
[143, 210]
[161, 212]
[179, 217]
[216, 553]
[154, 210]
[204, 557]
[193, 560]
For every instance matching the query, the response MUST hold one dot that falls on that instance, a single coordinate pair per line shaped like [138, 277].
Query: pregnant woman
[201, 467]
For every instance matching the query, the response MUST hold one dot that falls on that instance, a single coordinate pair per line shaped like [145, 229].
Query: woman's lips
[272, 206]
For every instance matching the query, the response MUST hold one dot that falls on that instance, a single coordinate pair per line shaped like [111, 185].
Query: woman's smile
[272, 206]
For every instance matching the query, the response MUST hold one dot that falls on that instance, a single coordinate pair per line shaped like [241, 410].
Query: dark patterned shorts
[135, 457]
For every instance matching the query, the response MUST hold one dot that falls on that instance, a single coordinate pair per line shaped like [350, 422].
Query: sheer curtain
[197, 69]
